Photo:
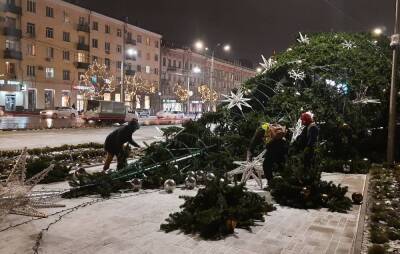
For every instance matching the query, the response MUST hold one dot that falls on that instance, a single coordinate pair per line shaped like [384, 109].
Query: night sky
[252, 27]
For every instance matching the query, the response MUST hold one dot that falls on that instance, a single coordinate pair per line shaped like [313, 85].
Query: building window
[49, 12]
[81, 57]
[164, 61]
[148, 41]
[119, 48]
[107, 47]
[169, 63]
[30, 29]
[81, 40]
[156, 44]
[119, 32]
[66, 55]
[50, 52]
[147, 56]
[148, 69]
[156, 57]
[66, 17]
[95, 43]
[139, 39]
[31, 6]
[66, 75]
[107, 62]
[139, 53]
[94, 59]
[10, 68]
[30, 70]
[49, 32]
[49, 73]
[174, 63]
[95, 26]
[139, 68]
[107, 29]
[156, 71]
[66, 36]
[65, 97]
[81, 20]
[119, 63]
[31, 49]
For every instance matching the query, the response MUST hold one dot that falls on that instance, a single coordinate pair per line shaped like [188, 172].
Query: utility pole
[393, 89]
[123, 61]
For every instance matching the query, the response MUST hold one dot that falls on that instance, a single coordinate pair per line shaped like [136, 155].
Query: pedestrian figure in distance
[115, 141]
[308, 138]
[273, 136]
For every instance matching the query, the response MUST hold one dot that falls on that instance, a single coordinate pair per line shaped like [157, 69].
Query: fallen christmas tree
[217, 210]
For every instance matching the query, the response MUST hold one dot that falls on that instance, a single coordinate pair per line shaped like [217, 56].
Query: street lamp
[395, 43]
[131, 52]
[199, 45]
[195, 70]
[377, 31]
[259, 70]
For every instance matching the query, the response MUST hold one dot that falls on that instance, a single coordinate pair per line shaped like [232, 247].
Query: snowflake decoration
[267, 64]
[348, 44]
[303, 39]
[250, 169]
[297, 74]
[237, 100]
[16, 196]
[298, 128]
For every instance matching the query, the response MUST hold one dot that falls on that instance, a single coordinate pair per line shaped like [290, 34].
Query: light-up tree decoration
[181, 92]
[135, 85]
[208, 95]
[97, 81]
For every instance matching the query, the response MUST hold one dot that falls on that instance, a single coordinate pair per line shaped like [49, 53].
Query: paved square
[131, 225]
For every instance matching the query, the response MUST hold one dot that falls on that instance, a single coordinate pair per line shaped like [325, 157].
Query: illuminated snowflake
[267, 64]
[303, 39]
[237, 100]
[297, 74]
[348, 44]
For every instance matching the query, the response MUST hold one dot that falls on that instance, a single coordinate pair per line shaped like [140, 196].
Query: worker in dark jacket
[307, 141]
[276, 147]
[115, 141]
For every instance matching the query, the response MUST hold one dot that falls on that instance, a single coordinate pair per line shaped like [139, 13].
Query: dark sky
[252, 27]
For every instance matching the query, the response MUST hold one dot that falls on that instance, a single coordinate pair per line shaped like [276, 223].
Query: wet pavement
[35, 122]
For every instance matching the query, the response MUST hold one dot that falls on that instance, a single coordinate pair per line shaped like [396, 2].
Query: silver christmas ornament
[169, 185]
[200, 175]
[210, 177]
[136, 184]
[190, 182]
[191, 173]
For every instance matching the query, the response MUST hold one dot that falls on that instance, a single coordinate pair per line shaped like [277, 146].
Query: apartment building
[46, 46]
[190, 70]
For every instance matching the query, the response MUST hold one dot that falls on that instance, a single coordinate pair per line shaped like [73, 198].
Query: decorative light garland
[180, 92]
[135, 85]
[206, 94]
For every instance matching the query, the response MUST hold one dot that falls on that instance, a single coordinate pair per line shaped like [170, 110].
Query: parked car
[163, 114]
[59, 112]
[143, 112]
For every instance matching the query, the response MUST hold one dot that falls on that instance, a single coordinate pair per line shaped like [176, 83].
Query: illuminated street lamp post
[195, 70]
[199, 45]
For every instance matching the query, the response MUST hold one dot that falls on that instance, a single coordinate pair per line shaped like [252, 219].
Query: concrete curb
[361, 220]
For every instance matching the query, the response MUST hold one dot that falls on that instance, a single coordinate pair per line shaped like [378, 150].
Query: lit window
[49, 73]
[81, 57]
[31, 50]
[148, 69]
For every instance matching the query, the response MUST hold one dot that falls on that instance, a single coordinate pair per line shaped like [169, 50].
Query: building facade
[47, 45]
[190, 70]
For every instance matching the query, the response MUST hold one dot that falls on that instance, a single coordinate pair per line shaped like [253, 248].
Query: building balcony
[12, 54]
[130, 72]
[12, 31]
[130, 41]
[83, 28]
[81, 46]
[172, 68]
[82, 65]
[12, 8]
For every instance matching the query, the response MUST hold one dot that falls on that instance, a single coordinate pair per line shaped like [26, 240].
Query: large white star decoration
[303, 39]
[297, 74]
[348, 44]
[237, 100]
[267, 64]
[250, 169]
[16, 195]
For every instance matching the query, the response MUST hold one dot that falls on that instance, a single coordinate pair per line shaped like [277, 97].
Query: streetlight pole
[123, 61]
[188, 94]
[212, 76]
[393, 90]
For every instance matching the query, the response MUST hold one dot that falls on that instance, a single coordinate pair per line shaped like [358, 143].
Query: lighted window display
[65, 98]
[49, 98]
[147, 102]
[107, 97]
